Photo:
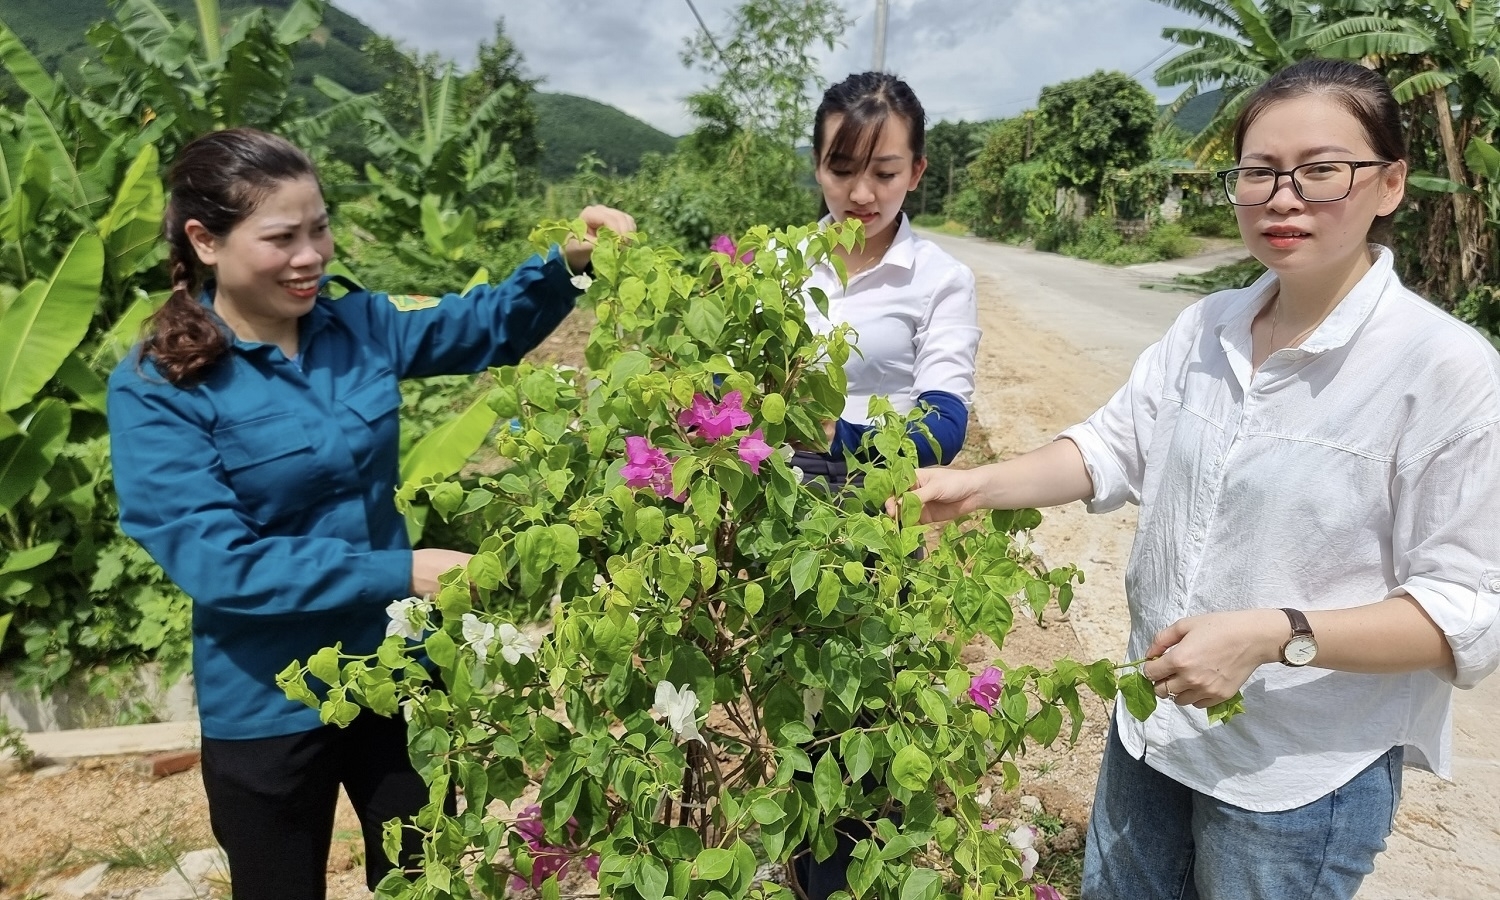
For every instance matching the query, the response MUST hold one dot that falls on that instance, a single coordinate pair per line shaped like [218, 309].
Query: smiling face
[1291, 236]
[872, 191]
[266, 269]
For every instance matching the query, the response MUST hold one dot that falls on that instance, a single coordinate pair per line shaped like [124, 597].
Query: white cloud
[969, 59]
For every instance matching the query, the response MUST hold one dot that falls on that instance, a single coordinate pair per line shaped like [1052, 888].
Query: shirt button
[1495, 584]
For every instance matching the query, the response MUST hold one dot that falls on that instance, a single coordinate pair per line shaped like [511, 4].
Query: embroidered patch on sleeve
[410, 302]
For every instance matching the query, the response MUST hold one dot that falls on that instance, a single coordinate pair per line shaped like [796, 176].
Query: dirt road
[1060, 336]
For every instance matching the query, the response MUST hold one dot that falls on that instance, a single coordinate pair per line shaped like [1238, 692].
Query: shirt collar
[1335, 331]
[902, 251]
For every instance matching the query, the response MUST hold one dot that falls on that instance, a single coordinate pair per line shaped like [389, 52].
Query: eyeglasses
[1314, 182]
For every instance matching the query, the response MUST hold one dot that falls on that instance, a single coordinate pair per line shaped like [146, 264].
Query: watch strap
[1300, 625]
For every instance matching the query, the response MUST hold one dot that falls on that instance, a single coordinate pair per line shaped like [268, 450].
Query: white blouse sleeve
[947, 339]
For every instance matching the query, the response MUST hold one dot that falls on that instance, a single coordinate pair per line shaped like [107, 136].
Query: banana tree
[1245, 41]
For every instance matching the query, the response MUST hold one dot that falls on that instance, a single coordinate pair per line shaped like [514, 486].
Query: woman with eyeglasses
[1317, 463]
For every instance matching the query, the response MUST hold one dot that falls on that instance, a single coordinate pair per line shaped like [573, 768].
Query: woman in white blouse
[1317, 463]
[911, 305]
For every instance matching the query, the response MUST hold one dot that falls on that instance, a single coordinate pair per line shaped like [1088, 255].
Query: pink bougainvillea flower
[725, 244]
[642, 462]
[548, 859]
[984, 688]
[1046, 892]
[715, 421]
[754, 450]
[646, 466]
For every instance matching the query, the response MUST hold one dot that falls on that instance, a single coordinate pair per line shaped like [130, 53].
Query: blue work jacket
[267, 490]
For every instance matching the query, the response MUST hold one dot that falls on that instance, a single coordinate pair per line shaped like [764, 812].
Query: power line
[708, 34]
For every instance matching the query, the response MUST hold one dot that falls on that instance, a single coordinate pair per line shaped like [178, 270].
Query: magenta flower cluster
[547, 859]
[984, 688]
[725, 244]
[648, 466]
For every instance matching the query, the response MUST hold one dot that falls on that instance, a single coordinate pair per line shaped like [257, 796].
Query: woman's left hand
[1203, 660]
[578, 252]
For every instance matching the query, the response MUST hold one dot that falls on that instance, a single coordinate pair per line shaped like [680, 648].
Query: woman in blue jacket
[254, 440]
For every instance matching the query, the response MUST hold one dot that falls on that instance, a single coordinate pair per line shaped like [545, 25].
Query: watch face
[1300, 650]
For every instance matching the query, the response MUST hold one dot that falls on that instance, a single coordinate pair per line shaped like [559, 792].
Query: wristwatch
[1301, 647]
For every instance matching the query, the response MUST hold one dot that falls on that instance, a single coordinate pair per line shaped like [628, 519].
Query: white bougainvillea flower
[1023, 838]
[812, 705]
[408, 617]
[514, 644]
[680, 708]
[479, 636]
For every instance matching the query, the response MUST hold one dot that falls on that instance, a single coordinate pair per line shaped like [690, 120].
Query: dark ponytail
[218, 180]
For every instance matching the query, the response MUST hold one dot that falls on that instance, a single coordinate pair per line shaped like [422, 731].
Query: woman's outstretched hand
[579, 252]
[944, 493]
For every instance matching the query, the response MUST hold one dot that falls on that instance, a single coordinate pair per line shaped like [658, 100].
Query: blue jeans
[1151, 838]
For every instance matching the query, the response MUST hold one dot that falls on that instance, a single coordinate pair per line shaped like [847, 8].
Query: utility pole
[882, 11]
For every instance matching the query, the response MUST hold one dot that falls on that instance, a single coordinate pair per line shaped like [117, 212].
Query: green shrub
[1208, 219]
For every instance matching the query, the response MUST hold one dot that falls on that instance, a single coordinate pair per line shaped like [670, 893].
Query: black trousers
[271, 803]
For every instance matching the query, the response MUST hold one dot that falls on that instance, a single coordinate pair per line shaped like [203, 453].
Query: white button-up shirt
[916, 320]
[1361, 465]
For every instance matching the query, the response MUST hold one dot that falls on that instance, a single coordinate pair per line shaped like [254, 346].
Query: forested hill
[568, 126]
[54, 32]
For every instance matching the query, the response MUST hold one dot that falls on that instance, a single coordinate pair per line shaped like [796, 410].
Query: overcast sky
[966, 59]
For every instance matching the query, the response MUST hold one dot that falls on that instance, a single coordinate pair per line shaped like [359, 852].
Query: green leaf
[132, 228]
[24, 68]
[713, 864]
[705, 319]
[828, 783]
[650, 524]
[442, 452]
[29, 558]
[84, 382]
[1226, 710]
[300, 21]
[1436, 184]
[678, 843]
[4, 626]
[830, 588]
[324, 666]
[773, 409]
[441, 649]
[922, 884]
[1484, 159]
[859, 756]
[755, 598]
[26, 458]
[1139, 694]
[912, 768]
[766, 811]
[804, 570]
[47, 322]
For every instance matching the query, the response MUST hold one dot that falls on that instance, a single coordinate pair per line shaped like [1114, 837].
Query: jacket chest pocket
[271, 464]
[374, 405]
